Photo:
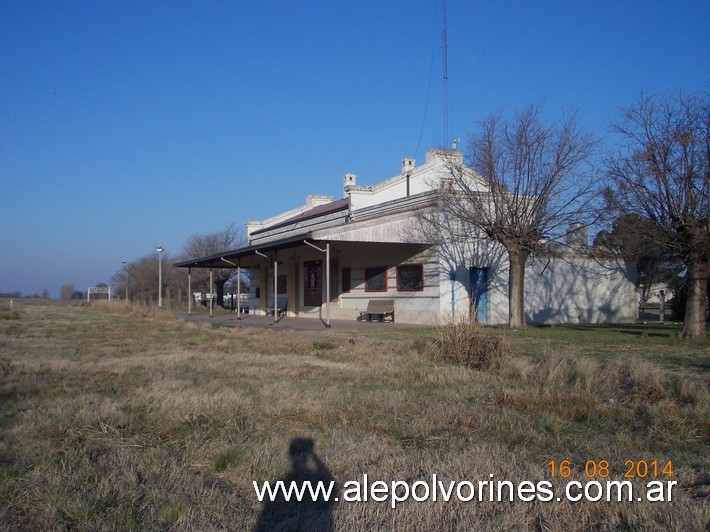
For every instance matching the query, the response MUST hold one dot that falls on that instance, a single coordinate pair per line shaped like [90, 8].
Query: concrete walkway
[307, 324]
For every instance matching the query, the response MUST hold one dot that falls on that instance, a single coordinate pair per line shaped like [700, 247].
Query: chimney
[349, 180]
[407, 165]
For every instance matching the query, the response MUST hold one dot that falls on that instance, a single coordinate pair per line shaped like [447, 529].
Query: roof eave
[230, 259]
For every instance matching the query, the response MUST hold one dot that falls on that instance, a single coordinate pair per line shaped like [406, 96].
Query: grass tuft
[324, 345]
[228, 459]
[467, 344]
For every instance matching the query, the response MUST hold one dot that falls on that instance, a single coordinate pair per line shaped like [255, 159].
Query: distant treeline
[44, 295]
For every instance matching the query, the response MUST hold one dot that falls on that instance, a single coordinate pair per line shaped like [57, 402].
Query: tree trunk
[694, 321]
[516, 287]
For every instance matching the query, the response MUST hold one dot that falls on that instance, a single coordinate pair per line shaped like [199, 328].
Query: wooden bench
[380, 308]
[281, 304]
[281, 311]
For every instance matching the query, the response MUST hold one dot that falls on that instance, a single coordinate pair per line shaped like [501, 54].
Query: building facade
[326, 259]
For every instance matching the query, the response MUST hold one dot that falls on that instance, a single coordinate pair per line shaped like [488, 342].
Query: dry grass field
[118, 418]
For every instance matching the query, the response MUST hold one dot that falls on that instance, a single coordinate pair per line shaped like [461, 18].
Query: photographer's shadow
[306, 514]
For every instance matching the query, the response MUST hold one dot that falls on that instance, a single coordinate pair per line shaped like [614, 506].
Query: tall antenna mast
[445, 64]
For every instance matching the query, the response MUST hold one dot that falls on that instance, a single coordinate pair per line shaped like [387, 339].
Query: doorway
[478, 294]
[312, 284]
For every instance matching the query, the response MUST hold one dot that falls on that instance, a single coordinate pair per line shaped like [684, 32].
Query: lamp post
[125, 267]
[160, 250]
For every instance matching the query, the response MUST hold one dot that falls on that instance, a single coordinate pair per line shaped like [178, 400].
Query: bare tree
[66, 291]
[530, 182]
[660, 172]
[203, 245]
[143, 280]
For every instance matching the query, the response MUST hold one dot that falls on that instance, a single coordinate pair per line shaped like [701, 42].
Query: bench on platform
[281, 311]
[378, 309]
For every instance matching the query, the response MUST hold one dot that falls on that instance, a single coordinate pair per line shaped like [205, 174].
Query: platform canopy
[247, 256]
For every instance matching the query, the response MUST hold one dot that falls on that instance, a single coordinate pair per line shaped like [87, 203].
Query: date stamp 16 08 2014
[631, 469]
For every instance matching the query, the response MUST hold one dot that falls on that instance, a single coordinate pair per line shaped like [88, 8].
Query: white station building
[327, 259]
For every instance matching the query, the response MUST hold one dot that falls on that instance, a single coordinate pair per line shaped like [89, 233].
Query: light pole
[160, 250]
[125, 267]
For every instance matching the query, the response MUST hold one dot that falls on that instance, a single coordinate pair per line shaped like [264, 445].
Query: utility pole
[445, 66]
[160, 250]
[125, 267]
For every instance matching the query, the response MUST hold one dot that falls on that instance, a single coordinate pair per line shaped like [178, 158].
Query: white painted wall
[580, 290]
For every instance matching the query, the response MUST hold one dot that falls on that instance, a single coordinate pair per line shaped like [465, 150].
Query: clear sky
[124, 125]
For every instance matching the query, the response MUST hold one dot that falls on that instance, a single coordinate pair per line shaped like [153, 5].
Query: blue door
[478, 294]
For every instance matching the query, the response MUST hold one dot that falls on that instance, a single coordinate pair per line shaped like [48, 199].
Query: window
[376, 279]
[410, 277]
[347, 276]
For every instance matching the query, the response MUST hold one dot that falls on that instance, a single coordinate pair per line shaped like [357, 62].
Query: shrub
[467, 344]
[10, 315]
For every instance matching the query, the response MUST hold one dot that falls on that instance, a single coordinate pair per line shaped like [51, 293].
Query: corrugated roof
[315, 212]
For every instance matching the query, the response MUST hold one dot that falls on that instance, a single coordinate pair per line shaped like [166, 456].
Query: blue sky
[124, 125]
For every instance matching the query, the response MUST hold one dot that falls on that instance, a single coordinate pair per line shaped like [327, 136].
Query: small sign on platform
[98, 290]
